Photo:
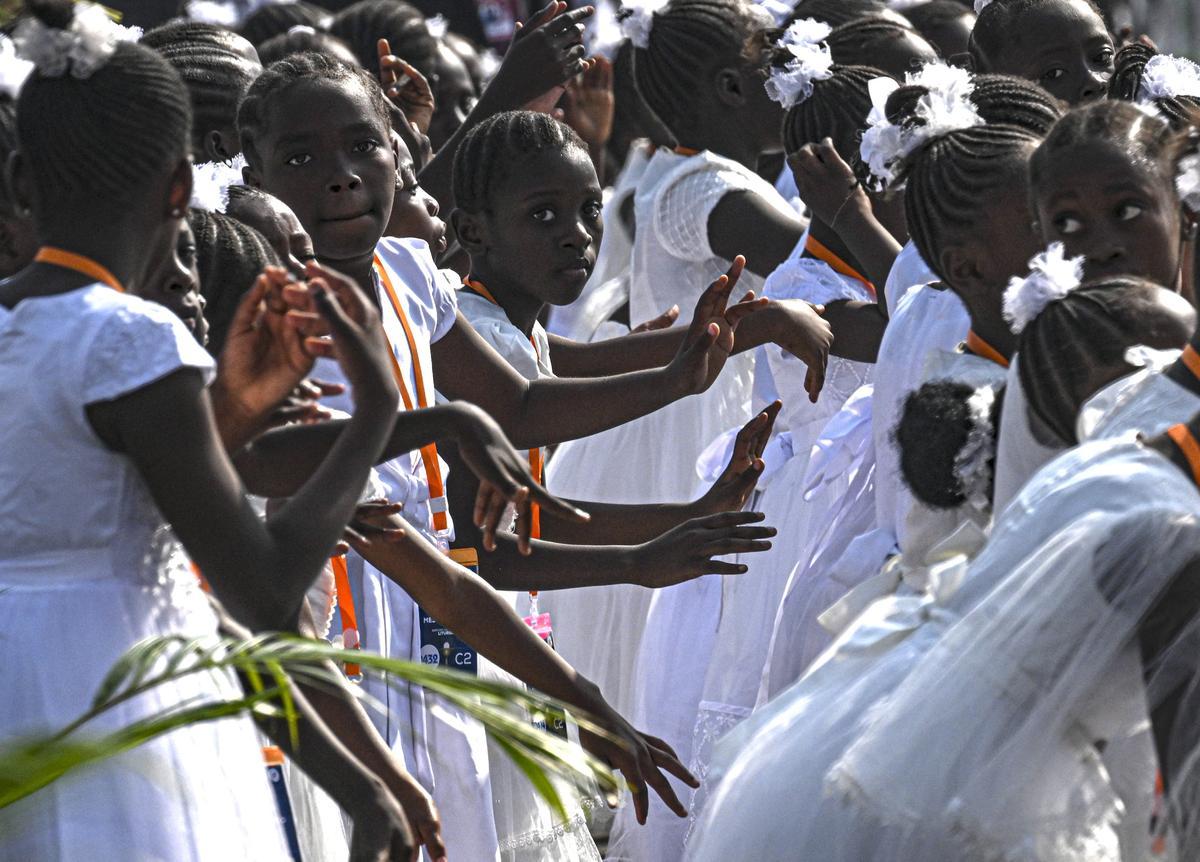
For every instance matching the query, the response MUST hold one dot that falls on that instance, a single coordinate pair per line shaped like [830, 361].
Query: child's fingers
[735, 314]
[552, 505]
[764, 435]
[247, 310]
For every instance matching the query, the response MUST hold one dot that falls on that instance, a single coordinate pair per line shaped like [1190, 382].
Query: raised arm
[259, 571]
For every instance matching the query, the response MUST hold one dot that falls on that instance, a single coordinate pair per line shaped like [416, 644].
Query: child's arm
[259, 571]
[539, 412]
[463, 602]
[830, 189]
[744, 223]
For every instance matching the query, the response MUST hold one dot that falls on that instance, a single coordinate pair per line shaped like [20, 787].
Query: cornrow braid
[488, 151]
[949, 178]
[1145, 139]
[1129, 65]
[216, 72]
[229, 255]
[301, 39]
[690, 39]
[1094, 325]
[109, 137]
[835, 13]
[837, 109]
[996, 25]
[364, 23]
[274, 19]
[857, 42]
[999, 99]
[291, 70]
[934, 426]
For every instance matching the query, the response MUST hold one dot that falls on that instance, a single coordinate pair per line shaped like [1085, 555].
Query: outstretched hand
[691, 550]
[546, 52]
[588, 103]
[735, 485]
[406, 88]
[710, 336]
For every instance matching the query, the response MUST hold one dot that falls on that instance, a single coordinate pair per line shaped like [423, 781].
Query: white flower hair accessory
[1187, 182]
[211, 182]
[82, 48]
[810, 62]
[1168, 77]
[213, 12]
[973, 463]
[13, 70]
[1051, 277]
[980, 5]
[637, 19]
[946, 107]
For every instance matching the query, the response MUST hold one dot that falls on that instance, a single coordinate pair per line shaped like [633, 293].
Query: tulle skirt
[193, 795]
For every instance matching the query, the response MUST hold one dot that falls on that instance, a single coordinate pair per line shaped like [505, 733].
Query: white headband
[946, 107]
[973, 463]
[810, 62]
[82, 48]
[637, 17]
[1051, 277]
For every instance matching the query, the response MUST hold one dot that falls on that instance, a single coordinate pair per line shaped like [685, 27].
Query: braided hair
[229, 255]
[690, 40]
[938, 20]
[292, 70]
[364, 23]
[948, 179]
[995, 27]
[216, 73]
[108, 137]
[1144, 139]
[301, 39]
[837, 109]
[1091, 327]
[273, 19]
[1126, 80]
[935, 424]
[835, 13]
[487, 153]
[854, 42]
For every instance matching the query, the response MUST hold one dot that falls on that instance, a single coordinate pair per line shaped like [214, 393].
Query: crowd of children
[807, 393]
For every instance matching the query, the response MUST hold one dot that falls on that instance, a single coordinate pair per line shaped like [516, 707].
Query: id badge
[287, 820]
[551, 720]
[439, 645]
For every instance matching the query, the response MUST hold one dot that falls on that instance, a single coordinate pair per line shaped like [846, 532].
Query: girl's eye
[365, 146]
[1054, 74]
[1105, 57]
[298, 160]
[1068, 225]
[544, 215]
[187, 255]
[592, 210]
[1128, 212]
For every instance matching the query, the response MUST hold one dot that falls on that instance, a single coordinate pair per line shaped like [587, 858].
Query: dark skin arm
[744, 223]
[259, 571]
[549, 411]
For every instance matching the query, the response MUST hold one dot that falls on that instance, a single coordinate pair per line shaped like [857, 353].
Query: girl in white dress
[344, 207]
[818, 719]
[118, 405]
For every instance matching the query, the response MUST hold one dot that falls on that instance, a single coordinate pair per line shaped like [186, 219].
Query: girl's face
[174, 282]
[326, 153]
[277, 223]
[1062, 45]
[1122, 217]
[414, 210]
[543, 229]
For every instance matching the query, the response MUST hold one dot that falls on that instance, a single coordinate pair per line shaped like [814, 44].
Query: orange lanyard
[982, 349]
[1182, 437]
[818, 250]
[685, 151]
[79, 263]
[1191, 360]
[429, 456]
[345, 603]
[535, 454]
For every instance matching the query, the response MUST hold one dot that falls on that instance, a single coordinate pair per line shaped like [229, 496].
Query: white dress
[602, 626]
[88, 568]
[442, 747]
[528, 829]
[959, 725]
[923, 330]
[672, 264]
[748, 604]
[1020, 449]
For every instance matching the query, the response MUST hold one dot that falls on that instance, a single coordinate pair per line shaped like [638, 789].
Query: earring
[176, 212]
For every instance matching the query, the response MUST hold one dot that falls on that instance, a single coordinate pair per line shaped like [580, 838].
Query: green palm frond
[27, 765]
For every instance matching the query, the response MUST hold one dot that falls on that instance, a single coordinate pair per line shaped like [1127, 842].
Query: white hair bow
[1051, 277]
[82, 48]
[1168, 77]
[211, 182]
[637, 19]
[810, 62]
